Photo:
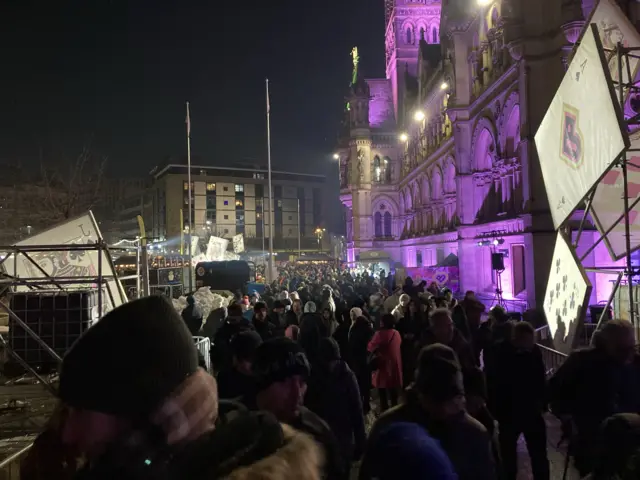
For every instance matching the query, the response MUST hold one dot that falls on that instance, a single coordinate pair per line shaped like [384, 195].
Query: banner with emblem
[582, 133]
[238, 243]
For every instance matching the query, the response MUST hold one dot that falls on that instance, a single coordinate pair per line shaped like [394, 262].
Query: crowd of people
[326, 375]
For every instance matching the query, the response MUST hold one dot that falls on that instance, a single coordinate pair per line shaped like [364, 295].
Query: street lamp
[419, 116]
[484, 3]
[319, 233]
[404, 137]
[444, 86]
[336, 156]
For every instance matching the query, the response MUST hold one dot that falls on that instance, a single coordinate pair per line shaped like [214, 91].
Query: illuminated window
[280, 203]
[185, 185]
[239, 188]
[211, 187]
[258, 215]
[226, 202]
[239, 203]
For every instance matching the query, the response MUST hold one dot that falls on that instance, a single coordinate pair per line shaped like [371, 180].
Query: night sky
[119, 71]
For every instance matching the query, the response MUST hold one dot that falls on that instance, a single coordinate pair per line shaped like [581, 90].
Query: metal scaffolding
[11, 282]
[628, 271]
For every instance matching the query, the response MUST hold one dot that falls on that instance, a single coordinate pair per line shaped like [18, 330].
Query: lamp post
[319, 234]
[336, 157]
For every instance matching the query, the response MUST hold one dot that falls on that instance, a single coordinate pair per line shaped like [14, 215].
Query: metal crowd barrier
[10, 466]
[203, 344]
[552, 359]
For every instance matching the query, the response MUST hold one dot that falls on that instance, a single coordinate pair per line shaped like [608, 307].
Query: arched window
[377, 169]
[387, 224]
[409, 38]
[435, 35]
[422, 32]
[377, 224]
[387, 169]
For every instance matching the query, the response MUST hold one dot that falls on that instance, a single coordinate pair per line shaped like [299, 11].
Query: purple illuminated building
[438, 158]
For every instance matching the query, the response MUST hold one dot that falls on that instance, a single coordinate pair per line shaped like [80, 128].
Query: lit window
[211, 187]
[239, 188]
[258, 215]
[239, 203]
[280, 203]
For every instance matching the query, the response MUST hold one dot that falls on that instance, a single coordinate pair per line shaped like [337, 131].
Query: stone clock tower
[359, 170]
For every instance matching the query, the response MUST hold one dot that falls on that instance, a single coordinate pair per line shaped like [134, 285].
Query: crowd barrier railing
[203, 344]
[10, 466]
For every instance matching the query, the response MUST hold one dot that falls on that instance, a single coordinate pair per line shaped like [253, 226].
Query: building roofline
[156, 175]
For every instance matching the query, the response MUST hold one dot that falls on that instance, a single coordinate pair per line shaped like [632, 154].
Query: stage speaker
[497, 261]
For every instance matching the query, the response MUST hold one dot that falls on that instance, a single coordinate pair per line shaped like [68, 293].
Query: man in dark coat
[192, 316]
[234, 324]
[261, 322]
[518, 399]
[595, 383]
[436, 402]
[334, 395]
[281, 370]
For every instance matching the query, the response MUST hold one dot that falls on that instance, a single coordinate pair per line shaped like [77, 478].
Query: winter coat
[463, 438]
[265, 329]
[192, 316]
[360, 334]
[334, 395]
[335, 465]
[221, 354]
[517, 383]
[233, 384]
[214, 321]
[387, 343]
[312, 330]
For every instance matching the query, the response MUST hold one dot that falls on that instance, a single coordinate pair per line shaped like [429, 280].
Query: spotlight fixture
[498, 241]
[336, 156]
[419, 116]
[404, 137]
[484, 3]
[444, 86]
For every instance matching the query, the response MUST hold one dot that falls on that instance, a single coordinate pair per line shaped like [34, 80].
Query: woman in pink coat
[388, 376]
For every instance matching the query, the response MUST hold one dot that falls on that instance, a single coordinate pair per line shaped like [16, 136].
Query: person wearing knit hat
[281, 369]
[405, 450]
[237, 380]
[123, 372]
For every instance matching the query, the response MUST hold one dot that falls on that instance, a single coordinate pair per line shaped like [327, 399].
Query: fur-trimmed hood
[299, 458]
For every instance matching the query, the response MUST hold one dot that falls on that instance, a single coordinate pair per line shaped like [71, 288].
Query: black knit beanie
[278, 359]
[439, 374]
[130, 360]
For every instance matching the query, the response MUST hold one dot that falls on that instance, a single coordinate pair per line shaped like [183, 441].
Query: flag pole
[190, 220]
[270, 263]
[299, 232]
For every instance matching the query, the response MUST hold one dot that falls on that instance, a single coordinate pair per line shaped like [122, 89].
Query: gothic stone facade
[438, 157]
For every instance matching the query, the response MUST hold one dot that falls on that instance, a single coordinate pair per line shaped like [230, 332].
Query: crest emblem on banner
[571, 149]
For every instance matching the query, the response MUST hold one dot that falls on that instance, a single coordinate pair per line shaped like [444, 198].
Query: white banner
[581, 133]
[607, 206]
[74, 263]
[238, 243]
[567, 295]
[613, 27]
[216, 249]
